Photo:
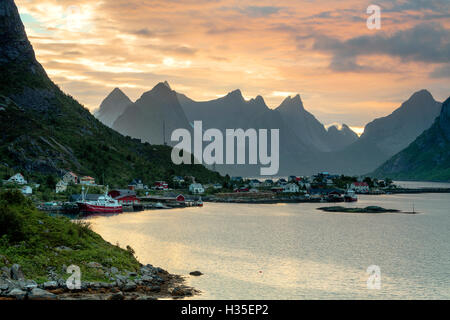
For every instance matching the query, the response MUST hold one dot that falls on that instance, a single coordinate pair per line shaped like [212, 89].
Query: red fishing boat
[104, 204]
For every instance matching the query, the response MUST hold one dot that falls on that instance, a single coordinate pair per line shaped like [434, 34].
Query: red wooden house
[124, 196]
[161, 185]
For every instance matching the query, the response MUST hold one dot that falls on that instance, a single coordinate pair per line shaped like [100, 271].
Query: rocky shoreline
[150, 283]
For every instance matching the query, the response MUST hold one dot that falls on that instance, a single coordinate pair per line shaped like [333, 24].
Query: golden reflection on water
[233, 245]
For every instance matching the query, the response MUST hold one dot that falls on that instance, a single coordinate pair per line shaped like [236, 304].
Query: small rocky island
[370, 209]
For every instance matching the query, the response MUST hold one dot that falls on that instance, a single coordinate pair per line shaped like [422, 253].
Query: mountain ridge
[427, 157]
[304, 137]
[386, 136]
[153, 116]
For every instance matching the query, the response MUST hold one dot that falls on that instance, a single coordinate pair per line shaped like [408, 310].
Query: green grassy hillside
[31, 239]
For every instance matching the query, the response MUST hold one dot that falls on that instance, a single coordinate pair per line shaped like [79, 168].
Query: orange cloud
[270, 48]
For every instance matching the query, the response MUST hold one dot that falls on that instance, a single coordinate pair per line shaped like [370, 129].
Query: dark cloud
[424, 43]
[283, 27]
[214, 29]
[72, 53]
[179, 50]
[416, 5]
[441, 72]
[257, 12]
[143, 32]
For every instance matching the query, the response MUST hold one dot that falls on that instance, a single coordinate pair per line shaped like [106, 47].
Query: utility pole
[164, 132]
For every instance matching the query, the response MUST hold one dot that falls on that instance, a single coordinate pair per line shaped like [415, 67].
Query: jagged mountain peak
[117, 96]
[117, 90]
[163, 86]
[292, 103]
[418, 100]
[297, 99]
[11, 26]
[424, 93]
[117, 93]
[112, 107]
[259, 100]
[161, 90]
[333, 128]
[427, 157]
[17, 57]
[339, 127]
[167, 85]
[235, 94]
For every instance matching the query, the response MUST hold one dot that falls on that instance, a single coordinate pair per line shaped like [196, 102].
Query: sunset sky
[323, 50]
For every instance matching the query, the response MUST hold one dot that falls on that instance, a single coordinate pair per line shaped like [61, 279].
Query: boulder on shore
[40, 294]
[129, 286]
[17, 294]
[181, 291]
[16, 272]
[50, 285]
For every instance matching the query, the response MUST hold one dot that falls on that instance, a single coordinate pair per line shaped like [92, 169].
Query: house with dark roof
[136, 184]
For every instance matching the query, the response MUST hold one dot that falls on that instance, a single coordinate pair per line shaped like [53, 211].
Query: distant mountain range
[306, 146]
[384, 137]
[427, 158]
[46, 132]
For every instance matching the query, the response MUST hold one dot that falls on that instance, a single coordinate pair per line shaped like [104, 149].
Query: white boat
[350, 196]
[159, 205]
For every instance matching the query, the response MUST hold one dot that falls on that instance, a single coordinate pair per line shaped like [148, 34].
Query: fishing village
[74, 194]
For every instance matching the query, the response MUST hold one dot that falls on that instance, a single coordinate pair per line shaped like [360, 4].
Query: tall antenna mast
[164, 132]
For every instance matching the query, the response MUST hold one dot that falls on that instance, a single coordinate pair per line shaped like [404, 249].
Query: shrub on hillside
[11, 224]
[13, 197]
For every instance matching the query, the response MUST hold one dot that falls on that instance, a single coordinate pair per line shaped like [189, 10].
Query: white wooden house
[196, 188]
[27, 190]
[70, 177]
[17, 178]
[360, 187]
[61, 186]
[291, 188]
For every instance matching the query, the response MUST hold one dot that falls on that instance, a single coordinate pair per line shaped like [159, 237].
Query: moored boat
[104, 204]
[350, 196]
[335, 197]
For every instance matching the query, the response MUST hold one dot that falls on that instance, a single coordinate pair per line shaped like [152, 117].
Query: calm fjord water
[293, 251]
